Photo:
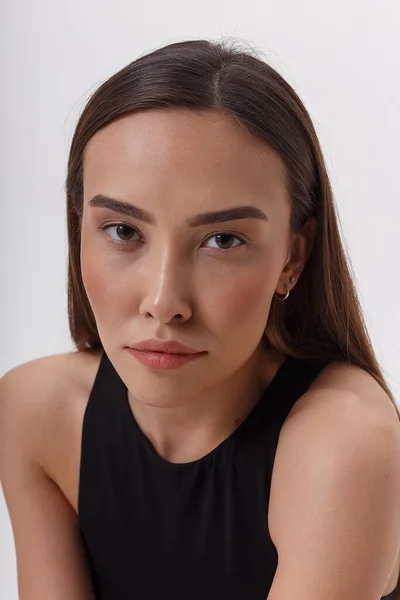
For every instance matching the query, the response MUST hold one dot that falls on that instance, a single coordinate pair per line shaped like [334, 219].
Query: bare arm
[50, 557]
[336, 503]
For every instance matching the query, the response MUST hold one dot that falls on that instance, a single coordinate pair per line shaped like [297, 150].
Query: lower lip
[160, 360]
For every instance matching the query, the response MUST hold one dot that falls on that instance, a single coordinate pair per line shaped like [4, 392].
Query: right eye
[123, 229]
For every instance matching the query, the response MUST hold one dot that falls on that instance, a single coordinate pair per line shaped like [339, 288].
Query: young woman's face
[173, 275]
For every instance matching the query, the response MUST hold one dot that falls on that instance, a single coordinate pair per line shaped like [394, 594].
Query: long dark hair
[322, 318]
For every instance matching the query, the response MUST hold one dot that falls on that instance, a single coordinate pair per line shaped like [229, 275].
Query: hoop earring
[283, 297]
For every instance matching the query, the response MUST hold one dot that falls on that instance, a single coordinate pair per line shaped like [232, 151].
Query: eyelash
[107, 226]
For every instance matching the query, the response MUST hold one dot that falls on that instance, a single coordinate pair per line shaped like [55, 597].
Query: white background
[342, 57]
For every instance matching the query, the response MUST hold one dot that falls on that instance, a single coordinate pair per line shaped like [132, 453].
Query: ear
[300, 248]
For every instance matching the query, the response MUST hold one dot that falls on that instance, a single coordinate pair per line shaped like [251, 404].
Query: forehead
[177, 152]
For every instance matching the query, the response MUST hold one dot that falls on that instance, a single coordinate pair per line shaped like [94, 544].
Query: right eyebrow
[207, 218]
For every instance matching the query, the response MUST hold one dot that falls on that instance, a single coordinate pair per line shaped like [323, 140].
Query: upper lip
[170, 347]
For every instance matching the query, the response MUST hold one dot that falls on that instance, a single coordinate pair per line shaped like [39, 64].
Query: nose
[166, 291]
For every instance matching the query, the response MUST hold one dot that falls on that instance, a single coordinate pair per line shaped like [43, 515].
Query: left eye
[225, 240]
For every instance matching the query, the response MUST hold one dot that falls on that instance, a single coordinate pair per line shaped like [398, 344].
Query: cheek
[243, 301]
[95, 276]
[93, 280]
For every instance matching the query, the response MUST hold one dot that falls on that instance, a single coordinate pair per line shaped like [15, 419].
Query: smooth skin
[334, 511]
[173, 281]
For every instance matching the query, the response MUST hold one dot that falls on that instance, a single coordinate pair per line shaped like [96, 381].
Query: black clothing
[194, 531]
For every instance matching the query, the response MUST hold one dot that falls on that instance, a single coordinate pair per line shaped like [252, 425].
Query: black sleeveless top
[153, 529]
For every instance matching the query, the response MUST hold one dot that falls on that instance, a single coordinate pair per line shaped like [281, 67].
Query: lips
[168, 347]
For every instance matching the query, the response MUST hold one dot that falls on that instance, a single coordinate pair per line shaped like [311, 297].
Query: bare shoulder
[43, 395]
[344, 408]
[340, 382]
[345, 403]
[342, 490]
[47, 373]
[43, 383]
[40, 416]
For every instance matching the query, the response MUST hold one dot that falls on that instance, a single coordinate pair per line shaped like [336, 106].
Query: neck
[192, 429]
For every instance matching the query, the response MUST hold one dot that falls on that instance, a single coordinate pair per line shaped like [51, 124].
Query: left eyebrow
[207, 218]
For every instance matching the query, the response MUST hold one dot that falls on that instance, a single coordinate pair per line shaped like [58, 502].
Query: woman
[224, 406]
